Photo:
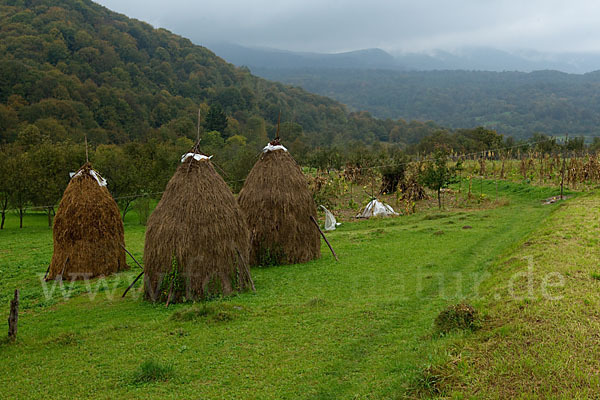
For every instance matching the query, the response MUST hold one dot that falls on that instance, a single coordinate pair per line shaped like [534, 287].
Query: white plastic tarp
[196, 156]
[376, 208]
[101, 181]
[270, 147]
[330, 221]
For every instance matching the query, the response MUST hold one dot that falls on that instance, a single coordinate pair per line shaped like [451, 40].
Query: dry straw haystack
[278, 206]
[196, 238]
[88, 231]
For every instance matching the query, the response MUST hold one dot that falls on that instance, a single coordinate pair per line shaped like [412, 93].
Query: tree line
[34, 169]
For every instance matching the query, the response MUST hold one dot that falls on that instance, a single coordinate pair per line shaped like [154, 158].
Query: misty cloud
[333, 26]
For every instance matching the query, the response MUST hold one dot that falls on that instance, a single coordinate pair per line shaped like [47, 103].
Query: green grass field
[361, 328]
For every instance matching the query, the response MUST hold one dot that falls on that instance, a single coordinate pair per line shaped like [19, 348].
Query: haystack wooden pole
[13, 318]
[132, 257]
[278, 121]
[323, 235]
[87, 158]
[198, 127]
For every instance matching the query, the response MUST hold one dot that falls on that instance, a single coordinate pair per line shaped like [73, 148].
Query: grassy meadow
[360, 328]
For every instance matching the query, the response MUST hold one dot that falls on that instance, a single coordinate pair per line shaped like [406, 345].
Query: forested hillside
[513, 103]
[72, 66]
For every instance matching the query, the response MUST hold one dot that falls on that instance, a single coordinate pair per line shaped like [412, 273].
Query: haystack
[196, 238]
[88, 231]
[278, 205]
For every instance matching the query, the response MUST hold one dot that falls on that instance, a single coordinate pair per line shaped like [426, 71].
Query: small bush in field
[152, 371]
[460, 316]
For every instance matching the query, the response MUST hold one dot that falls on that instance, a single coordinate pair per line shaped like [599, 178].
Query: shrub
[460, 316]
[152, 371]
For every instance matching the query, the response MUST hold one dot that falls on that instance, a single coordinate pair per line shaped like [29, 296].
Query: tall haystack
[196, 238]
[278, 205]
[88, 231]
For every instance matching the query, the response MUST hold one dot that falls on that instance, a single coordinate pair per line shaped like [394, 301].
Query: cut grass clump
[457, 317]
[317, 302]
[65, 339]
[432, 381]
[595, 275]
[210, 312]
[152, 371]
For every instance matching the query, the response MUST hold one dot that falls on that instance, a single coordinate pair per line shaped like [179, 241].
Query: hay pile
[88, 231]
[196, 238]
[278, 205]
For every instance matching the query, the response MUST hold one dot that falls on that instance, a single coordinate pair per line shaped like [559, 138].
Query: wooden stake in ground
[323, 235]
[13, 318]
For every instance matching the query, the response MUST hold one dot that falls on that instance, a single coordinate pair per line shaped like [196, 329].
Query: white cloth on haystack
[270, 147]
[376, 208]
[101, 181]
[330, 221]
[196, 156]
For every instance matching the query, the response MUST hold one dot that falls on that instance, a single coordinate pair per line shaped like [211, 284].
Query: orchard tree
[21, 175]
[52, 164]
[393, 170]
[121, 172]
[438, 174]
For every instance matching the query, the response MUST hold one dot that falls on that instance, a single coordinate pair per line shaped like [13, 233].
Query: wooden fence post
[13, 318]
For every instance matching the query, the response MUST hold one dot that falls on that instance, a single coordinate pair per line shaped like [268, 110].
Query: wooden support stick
[13, 318]
[133, 283]
[170, 292]
[322, 234]
[87, 158]
[63, 269]
[278, 121]
[132, 257]
[198, 134]
[247, 270]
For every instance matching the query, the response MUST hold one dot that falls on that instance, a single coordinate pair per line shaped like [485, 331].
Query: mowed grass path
[360, 328]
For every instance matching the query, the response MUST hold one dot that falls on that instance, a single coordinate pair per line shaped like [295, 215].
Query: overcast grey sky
[417, 25]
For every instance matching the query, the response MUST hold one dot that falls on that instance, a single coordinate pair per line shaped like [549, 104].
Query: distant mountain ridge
[274, 58]
[470, 59]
